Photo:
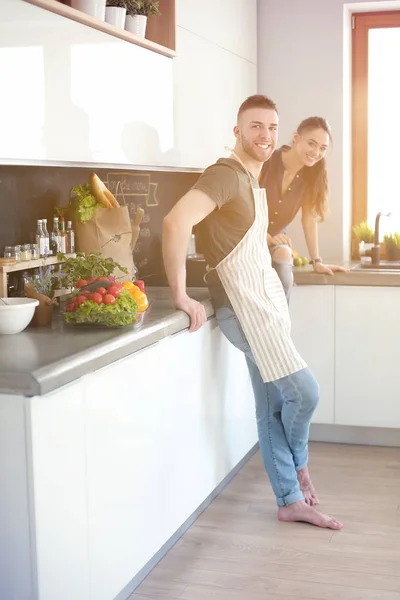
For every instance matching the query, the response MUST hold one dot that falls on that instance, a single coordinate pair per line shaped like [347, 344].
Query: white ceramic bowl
[16, 314]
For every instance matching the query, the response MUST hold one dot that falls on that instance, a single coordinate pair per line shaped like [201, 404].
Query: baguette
[101, 193]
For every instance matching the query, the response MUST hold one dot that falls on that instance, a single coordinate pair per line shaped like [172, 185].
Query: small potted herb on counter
[116, 13]
[365, 238]
[40, 286]
[137, 13]
[392, 246]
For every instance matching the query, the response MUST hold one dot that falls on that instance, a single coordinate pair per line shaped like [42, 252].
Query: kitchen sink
[384, 266]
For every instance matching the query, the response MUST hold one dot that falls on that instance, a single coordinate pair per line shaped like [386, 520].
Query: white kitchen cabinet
[164, 427]
[367, 356]
[108, 468]
[312, 309]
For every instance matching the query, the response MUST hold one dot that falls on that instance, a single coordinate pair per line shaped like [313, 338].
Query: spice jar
[35, 251]
[26, 252]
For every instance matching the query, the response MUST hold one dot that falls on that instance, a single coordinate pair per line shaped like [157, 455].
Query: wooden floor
[237, 550]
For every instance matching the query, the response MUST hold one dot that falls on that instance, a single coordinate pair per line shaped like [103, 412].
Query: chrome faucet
[376, 249]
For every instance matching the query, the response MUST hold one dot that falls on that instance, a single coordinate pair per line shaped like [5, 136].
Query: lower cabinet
[164, 428]
[367, 356]
[312, 309]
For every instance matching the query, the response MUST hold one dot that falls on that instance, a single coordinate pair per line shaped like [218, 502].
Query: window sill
[85, 19]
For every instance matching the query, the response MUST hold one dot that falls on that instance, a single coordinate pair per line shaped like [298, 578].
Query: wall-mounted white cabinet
[99, 99]
[367, 356]
[312, 309]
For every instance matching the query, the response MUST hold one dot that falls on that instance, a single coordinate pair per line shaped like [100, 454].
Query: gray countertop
[38, 361]
[307, 276]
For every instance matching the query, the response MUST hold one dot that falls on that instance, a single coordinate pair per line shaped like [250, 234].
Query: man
[231, 213]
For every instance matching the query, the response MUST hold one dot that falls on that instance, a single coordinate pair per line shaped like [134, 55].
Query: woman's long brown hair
[317, 176]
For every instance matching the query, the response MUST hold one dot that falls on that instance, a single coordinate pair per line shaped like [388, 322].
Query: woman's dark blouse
[282, 209]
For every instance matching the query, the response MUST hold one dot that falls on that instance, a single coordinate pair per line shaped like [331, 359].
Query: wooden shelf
[24, 265]
[162, 29]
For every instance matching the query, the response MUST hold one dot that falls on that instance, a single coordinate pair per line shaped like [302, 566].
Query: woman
[296, 179]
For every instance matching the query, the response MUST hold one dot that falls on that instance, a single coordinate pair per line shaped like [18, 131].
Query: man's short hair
[256, 101]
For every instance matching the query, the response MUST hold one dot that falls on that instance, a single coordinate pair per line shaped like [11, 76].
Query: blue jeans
[283, 411]
[284, 268]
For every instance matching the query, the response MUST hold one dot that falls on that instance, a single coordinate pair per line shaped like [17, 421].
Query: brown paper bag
[110, 233]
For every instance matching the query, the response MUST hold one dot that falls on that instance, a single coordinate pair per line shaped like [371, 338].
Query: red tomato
[140, 284]
[70, 307]
[103, 279]
[80, 300]
[111, 278]
[81, 283]
[91, 279]
[101, 291]
[85, 293]
[114, 290]
[98, 298]
[90, 297]
[108, 299]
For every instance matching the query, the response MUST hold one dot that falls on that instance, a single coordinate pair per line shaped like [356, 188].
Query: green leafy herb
[363, 232]
[84, 203]
[85, 266]
[123, 312]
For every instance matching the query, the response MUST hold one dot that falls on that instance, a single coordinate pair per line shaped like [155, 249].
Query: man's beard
[256, 153]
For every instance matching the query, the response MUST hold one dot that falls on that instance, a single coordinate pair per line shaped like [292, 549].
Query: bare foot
[306, 486]
[300, 511]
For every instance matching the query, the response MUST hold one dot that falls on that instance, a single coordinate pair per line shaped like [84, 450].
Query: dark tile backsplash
[28, 193]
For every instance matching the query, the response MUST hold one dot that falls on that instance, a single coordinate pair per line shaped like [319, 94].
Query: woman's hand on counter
[329, 269]
[195, 310]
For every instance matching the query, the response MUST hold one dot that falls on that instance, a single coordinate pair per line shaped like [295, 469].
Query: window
[376, 119]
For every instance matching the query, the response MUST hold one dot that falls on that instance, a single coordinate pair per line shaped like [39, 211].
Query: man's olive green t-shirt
[228, 184]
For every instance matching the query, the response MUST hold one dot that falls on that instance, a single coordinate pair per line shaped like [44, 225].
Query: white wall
[304, 51]
[81, 95]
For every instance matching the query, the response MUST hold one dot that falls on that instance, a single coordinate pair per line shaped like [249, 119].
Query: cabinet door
[367, 356]
[312, 310]
[207, 416]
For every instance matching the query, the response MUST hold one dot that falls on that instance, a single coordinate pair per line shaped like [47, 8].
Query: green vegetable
[85, 266]
[84, 203]
[123, 312]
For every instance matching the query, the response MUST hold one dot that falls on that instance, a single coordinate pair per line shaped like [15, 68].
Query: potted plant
[365, 238]
[392, 246]
[40, 287]
[116, 13]
[95, 8]
[137, 13]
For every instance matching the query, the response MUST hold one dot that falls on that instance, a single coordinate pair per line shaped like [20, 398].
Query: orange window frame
[362, 23]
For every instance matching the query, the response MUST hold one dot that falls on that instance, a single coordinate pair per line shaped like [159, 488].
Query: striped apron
[257, 297]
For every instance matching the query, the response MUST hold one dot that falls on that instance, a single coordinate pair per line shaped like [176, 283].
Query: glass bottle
[55, 237]
[40, 238]
[63, 237]
[47, 236]
[70, 237]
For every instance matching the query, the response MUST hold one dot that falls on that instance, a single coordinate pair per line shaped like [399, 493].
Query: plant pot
[392, 252]
[116, 16]
[136, 25]
[95, 8]
[43, 315]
